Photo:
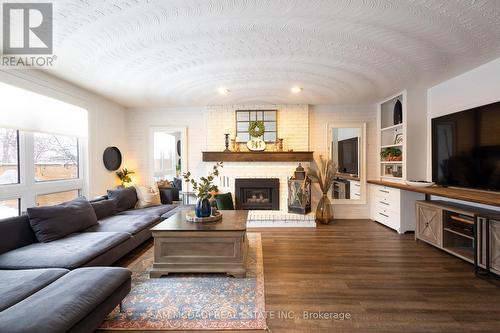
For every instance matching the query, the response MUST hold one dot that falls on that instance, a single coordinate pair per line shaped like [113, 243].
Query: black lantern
[299, 192]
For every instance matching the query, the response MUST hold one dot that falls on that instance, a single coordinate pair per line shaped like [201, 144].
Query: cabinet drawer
[388, 218]
[389, 205]
[387, 193]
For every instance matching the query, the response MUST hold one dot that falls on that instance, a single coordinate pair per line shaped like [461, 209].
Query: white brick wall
[293, 124]
[293, 127]
[303, 127]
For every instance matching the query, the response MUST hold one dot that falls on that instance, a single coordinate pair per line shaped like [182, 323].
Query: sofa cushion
[153, 211]
[69, 252]
[124, 198]
[16, 285]
[54, 222]
[65, 302]
[104, 208]
[19, 233]
[177, 210]
[125, 223]
[224, 201]
[147, 196]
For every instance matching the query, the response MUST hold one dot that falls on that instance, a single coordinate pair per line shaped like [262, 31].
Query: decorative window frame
[256, 115]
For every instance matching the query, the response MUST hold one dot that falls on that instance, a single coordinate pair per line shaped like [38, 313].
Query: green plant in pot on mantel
[324, 175]
[124, 176]
[204, 189]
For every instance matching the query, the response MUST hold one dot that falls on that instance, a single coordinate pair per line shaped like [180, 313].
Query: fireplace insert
[257, 193]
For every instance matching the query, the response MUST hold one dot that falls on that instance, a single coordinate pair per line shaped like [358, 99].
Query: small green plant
[390, 154]
[204, 186]
[124, 175]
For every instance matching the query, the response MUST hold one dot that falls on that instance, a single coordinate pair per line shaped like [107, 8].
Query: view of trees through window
[9, 161]
[55, 156]
[56, 198]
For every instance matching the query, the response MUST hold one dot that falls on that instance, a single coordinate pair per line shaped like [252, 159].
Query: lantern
[299, 192]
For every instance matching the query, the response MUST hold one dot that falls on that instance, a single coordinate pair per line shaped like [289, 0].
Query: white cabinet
[354, 190]
[393, 207]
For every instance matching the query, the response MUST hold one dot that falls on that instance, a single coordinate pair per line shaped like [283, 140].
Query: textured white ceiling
[173, 53]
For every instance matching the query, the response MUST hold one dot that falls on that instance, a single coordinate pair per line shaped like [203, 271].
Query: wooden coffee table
[189, 247]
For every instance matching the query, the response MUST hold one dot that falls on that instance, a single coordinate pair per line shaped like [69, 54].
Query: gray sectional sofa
[51, 256]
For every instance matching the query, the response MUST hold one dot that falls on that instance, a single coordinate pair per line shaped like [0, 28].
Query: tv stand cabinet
[467, 232]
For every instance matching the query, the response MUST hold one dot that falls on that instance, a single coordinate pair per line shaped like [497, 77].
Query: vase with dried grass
[324, 176]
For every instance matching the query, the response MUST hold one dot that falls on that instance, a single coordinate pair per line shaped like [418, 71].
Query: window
[9, 208]
[55, 157]
[56, 198]
[244, 117]
[9, 156]
[43, 150]
[166, 151]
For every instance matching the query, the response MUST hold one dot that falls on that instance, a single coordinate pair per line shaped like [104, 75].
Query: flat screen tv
[466, 148]
[348, 156]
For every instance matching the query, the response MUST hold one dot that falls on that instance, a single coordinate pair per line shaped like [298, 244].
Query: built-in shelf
[390, 146]
[288, 156]
[458, 233]
[391, 127]
[392, 138]
[392, 177]
[465, 253]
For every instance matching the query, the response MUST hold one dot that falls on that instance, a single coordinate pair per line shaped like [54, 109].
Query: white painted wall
[320, 116]
[139, 123]
[477, 87]
[106, 121]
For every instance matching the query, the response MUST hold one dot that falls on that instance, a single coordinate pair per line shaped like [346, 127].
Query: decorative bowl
[191, 217]
[419, 183]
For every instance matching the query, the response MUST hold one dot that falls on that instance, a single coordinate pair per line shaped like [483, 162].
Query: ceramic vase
[203, 208]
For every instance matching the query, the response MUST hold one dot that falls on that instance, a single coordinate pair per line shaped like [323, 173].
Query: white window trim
[28, 189]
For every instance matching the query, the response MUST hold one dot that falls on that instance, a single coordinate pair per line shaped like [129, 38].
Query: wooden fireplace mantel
[284, 156]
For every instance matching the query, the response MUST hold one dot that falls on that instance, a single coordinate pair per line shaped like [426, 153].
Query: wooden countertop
[486, 198]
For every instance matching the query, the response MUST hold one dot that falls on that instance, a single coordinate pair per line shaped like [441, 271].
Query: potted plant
[391, 154]
[324, 176]
[203, 189]
[124, 176]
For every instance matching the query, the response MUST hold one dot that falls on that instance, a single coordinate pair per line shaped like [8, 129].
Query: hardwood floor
[386, 282]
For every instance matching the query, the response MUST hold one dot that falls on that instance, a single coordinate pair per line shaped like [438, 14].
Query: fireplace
[257, 193]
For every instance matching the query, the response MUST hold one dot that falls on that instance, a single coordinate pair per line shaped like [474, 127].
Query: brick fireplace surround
[293, 127]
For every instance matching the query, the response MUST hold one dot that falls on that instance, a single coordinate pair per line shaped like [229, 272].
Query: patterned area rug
[193, 301]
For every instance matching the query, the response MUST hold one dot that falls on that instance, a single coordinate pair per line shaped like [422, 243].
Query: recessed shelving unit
[392, 139]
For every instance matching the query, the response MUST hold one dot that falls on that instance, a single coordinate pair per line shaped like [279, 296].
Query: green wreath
[256, 128]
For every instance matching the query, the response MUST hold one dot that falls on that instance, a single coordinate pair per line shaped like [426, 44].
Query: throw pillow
[104, 208]
[224, 201]
[124, 198]
[54, 222]
[147, 196]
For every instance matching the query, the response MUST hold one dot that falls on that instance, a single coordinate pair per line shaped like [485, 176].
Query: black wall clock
[112, 158]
